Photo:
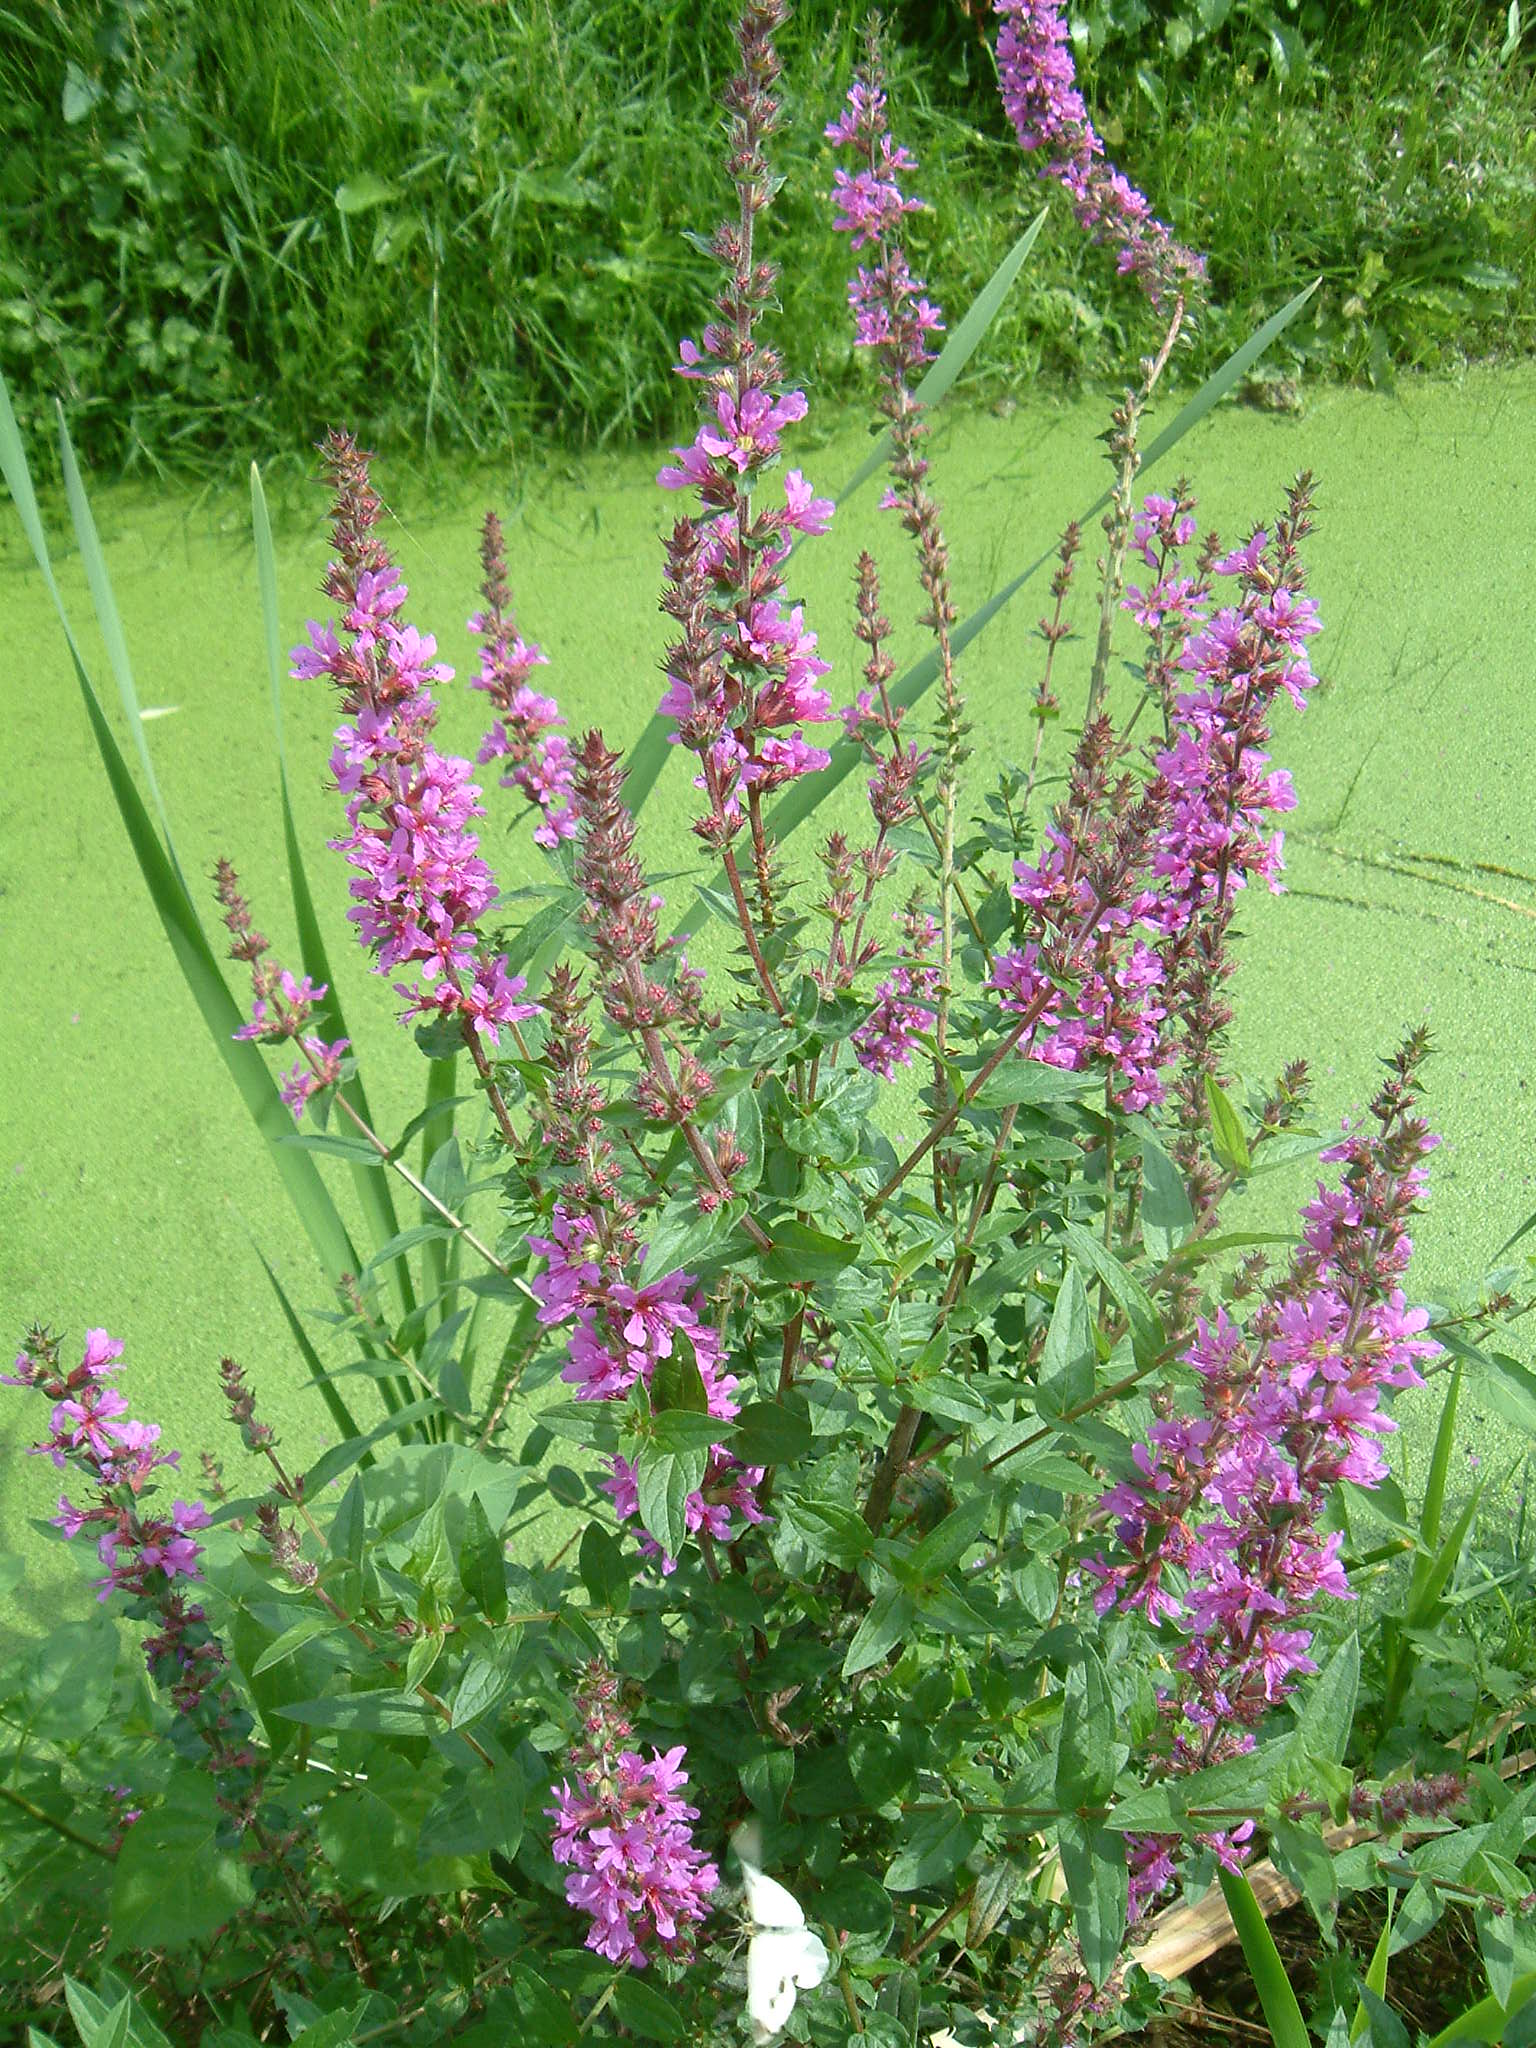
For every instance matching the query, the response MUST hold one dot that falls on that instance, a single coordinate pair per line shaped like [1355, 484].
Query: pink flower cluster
[1119, 901]
[281, 1002]
[622, 1332]
[1039, 87]
[542, 767]
[1218, 1527]
[625, 1833]
[889, 309]
[420, 884]
[90, 1425]
[905, 1004]
[743, 677]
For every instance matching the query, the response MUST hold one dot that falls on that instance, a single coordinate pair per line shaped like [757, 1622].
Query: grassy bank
[463, 228]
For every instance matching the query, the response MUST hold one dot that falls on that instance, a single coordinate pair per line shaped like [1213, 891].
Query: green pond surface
[134, 1186]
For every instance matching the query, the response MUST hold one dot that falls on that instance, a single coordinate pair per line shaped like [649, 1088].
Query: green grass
[132, 1180]
[462, 227]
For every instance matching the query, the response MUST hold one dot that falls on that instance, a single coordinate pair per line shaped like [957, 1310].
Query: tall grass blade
[372, 1187]
[189, 943]
[1376, 1972]
[111, 626]
[811, 791]
[647, 757]
[1276, 1998]
[1485, 2021]
[957, 351]
[340, 1413]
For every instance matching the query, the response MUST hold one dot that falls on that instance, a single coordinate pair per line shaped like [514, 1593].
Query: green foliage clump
[461, 226]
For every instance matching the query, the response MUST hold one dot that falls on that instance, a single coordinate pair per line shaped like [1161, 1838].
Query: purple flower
[420, 885]
[625, 1834]
[1040, 94]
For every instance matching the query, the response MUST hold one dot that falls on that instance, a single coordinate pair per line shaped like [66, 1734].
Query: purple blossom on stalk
[1131, 894]
[420, 885]
[147, 1554]
[625, 1834]
[1218, 1526]
[540, 757]
[743, 676]
[890, 312]
[1039, 88]
[906, 1003]
[623, 1330]
[281, 1004]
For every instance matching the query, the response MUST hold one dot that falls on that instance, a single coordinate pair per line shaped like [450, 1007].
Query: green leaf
[1302, 1856]
[482, 1563]
[771, 1433]
[1486, 2020]
[1166, 1213]
[358, 1451]
[1125, 1290]
[1228, 1138]
[380, 1712]
[663, 1482]
[802, 1256]
[173, 904]
[486, 1682]
[646, 2012]
[1328, 1709]
[994, 1894]
[1376, 1971]
[946, 1544]
[766, 1779]
[1028, 1081]
[340, 1413]
[938, 1840]
[334, 2030]
[677, 1383]
[363, 192]
[606, 1569]
[1276, 1998]
[1069, 1363]
[67, 1678]
[172, 1884]
[1088, 1756]
[293, 1639]
[370, 1829]
[889, 1621]
[683, 1237]
[1098, 1886]
[484, 1813]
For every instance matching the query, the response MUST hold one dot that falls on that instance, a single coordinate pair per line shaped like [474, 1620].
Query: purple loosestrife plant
[855, 1443]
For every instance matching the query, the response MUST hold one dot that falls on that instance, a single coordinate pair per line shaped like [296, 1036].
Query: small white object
[158, 710]
[783, 1956]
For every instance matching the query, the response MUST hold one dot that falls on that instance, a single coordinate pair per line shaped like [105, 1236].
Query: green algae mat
[135, 1190]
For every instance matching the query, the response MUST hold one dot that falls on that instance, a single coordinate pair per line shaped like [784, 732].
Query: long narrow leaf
[178, 917]
[341, 1414]
[957, 351]
[1485, 2020]
[1376, 1972]
[372, 1187]
[798, 804]
[111, 627]
[648, 756]
[435, 1131]
[1287, 2027]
